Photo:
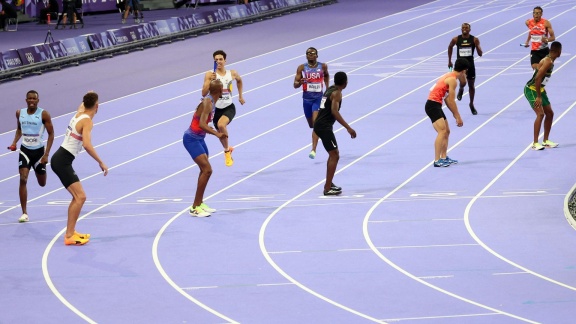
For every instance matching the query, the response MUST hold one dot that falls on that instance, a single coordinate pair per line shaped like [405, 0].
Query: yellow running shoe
[550, 144]
[228, 160]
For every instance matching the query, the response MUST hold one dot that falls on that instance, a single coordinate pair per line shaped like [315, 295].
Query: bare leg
[471, 90]
[203, 177]
[441, 142]
[314, 136]
[549, 118]
[223, 128]
[538, 122]
[78, 199]
[22, 189]
[333, 157]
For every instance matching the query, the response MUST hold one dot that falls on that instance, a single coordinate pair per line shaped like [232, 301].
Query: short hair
[312, 48]
[340, 78]
[219, 52]
[467, 24]
[556, 46]
[34, 92]
[90, 99]
[538, 7]
[461, 64]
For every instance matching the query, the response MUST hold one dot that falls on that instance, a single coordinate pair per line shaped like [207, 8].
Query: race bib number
[322, 102]
[536, 38]
[314, 87]
[465, 51]
[29, 140]
[545, 80]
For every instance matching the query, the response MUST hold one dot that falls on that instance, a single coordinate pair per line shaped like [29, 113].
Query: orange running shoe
[75, 240]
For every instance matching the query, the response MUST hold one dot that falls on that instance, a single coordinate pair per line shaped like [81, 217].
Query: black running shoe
[473, 110]
[335, 187]
[332, 192]
[460, 93]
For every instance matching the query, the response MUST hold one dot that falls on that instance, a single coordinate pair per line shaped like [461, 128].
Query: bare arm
[298, 77]
[451, 102]
[204, 109]
[551, 36]
[545, 66]
[18, 134]
[87, 125]
[239, 85]
[47, 121]
[336, 97]
[450, 47]
[326, 75]
[208, 77]
[527, 43]
[478, 48]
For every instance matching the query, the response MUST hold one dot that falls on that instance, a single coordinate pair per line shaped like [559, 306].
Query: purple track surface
[483, 241]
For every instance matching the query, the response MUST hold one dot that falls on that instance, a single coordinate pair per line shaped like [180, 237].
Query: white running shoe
[24, 218]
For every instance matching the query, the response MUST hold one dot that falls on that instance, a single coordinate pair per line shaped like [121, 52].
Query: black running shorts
[61, 164]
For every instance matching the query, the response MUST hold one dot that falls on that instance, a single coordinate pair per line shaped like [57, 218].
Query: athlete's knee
[334, 154]
[207, 171]
[80, 197]
[23, 179]
[222, 126]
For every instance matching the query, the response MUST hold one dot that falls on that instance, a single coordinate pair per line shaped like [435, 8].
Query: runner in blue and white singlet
[32, 123]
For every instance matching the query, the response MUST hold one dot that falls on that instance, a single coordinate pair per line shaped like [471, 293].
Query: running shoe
[75, 240]
[550, 144]
[207, 208]
[312, 155]
[473, 110]
[23, 218]
[228, 160]
[198, 212]
[332, 192]
[537, 147]
[460, 93]
[450, 161]
[441, 163]
[82, 235]
[335, 187]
